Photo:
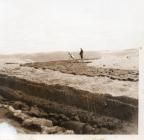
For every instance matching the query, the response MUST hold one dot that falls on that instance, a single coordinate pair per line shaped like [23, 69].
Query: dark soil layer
[81, 68]
[98, 103]
[79, 110]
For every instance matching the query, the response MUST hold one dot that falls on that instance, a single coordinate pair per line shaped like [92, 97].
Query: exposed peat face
[68, 109]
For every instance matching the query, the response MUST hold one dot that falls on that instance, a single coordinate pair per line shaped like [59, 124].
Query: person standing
[81, 54]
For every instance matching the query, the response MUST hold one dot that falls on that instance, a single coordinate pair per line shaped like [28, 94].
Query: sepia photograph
[70, 67]
[79, 93]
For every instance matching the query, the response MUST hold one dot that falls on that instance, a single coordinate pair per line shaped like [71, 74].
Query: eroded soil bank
[68, 109]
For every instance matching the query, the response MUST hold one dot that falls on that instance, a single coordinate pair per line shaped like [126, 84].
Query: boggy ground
[79, 67]
[70, 97]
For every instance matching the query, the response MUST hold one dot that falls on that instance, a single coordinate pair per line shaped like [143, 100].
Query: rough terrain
[93, 96]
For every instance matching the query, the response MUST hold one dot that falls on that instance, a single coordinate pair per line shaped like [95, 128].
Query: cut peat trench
[73, 109]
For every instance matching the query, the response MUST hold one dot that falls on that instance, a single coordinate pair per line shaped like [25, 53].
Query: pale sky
[68, 25]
